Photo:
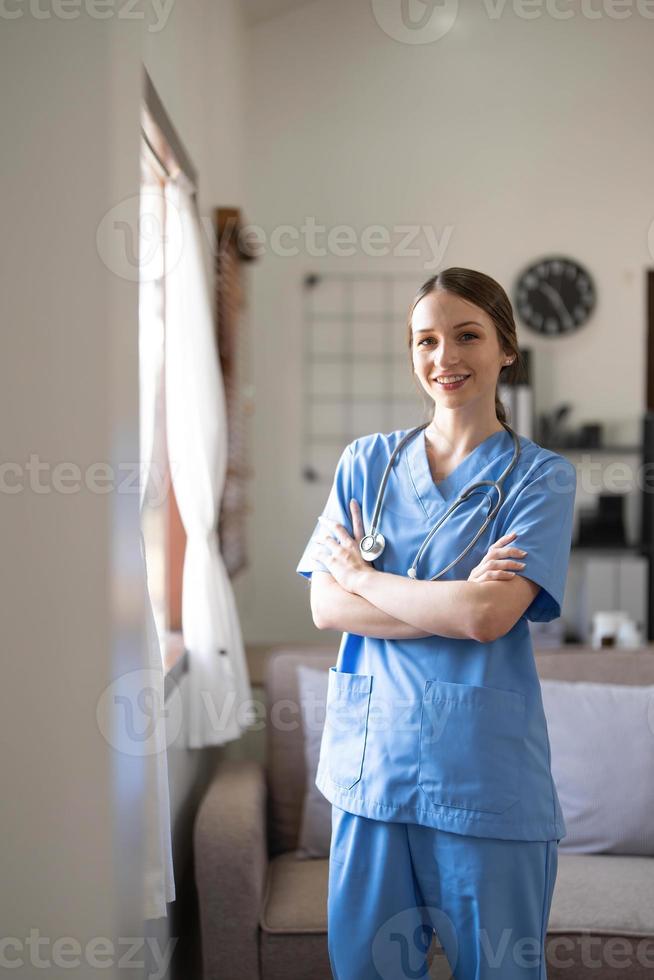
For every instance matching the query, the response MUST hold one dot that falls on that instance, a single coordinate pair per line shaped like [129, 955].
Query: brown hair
[488, 295]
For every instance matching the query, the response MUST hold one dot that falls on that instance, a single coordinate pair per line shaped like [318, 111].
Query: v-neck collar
[431, 495]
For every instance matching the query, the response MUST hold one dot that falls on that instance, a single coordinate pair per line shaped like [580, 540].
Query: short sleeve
[541, 514]
[337, 508]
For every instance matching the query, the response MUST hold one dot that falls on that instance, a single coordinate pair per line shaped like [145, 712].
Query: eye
[461, 336]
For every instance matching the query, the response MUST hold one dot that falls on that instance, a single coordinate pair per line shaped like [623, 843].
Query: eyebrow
[466, 323]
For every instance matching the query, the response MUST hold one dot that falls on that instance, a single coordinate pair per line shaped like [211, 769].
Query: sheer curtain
[159, 882]
[219, 687]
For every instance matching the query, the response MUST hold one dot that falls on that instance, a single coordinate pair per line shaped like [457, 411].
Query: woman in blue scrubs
[435, 754]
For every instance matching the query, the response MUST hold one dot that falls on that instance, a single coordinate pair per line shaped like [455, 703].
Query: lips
[452, 385]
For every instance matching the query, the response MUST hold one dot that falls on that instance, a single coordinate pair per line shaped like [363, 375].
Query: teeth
[452, 379]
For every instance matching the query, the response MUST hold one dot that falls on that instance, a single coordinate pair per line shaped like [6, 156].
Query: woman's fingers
[506, 537]
[503, 562]
[332, 527]
[506, 552]
[503, 547]
[485, 575]
[335, 531]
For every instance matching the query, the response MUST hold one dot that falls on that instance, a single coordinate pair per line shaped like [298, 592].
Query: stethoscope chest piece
[371, 546]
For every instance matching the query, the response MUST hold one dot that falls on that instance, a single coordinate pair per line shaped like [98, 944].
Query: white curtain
[219, 688]
[159, 882]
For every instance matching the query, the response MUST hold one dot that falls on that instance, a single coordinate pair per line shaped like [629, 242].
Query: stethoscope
[373, 543]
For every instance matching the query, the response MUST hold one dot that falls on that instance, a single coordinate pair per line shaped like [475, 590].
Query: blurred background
[218, 214]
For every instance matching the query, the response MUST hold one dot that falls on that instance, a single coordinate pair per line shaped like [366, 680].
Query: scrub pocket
[346, 722]
[471, 746]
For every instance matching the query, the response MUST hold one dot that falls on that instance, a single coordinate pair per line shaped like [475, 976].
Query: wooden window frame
[232, 251]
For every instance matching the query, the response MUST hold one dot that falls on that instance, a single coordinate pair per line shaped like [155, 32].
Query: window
[163, 531]
[162, 156]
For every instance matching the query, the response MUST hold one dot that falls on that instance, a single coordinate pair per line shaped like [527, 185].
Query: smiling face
[452, 337]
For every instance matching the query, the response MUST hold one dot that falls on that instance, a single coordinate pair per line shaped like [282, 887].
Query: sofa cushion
[294, 923]
[602, 741]
[316, 825]
[598, 893]
[284, 742]
[603, 893]
[596, 898]
[296, 895]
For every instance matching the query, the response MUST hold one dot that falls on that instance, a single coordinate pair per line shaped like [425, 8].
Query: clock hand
[556, 302]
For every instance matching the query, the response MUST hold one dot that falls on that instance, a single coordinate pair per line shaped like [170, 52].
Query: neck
[454, 433]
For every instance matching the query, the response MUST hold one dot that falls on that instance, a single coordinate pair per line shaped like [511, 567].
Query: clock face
[554, 296]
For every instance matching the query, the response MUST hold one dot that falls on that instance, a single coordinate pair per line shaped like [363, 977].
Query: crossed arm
[334, 608]
[354, 597]
[406, 609]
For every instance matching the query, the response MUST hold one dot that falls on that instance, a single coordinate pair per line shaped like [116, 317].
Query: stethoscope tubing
[377, 539]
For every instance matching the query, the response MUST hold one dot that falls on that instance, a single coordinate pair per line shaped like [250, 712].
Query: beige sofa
[263, 912]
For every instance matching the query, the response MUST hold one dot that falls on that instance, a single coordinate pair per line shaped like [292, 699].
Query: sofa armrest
[231, 861]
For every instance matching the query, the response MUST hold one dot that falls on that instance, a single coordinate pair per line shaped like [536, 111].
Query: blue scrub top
[449, 733]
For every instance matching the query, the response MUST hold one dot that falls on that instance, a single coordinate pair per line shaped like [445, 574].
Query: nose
[445, 358]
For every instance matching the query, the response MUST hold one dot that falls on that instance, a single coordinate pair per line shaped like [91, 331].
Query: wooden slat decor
[231, 327]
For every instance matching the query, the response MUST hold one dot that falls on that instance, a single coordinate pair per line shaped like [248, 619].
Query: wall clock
[554, 296]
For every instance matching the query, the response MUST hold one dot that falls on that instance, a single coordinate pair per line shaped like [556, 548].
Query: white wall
[525, 136]
[70, 601]
[71, 609]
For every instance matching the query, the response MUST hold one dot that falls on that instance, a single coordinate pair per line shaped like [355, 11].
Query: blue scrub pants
[392, 884]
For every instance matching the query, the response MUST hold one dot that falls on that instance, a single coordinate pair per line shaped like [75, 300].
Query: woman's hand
[495, 563]
[343, 558]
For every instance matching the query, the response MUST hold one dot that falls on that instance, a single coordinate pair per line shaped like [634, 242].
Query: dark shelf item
[602, 526]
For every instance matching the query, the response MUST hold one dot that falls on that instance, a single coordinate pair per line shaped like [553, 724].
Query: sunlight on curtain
[159, 883]
[151, 367]
[220, 699]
